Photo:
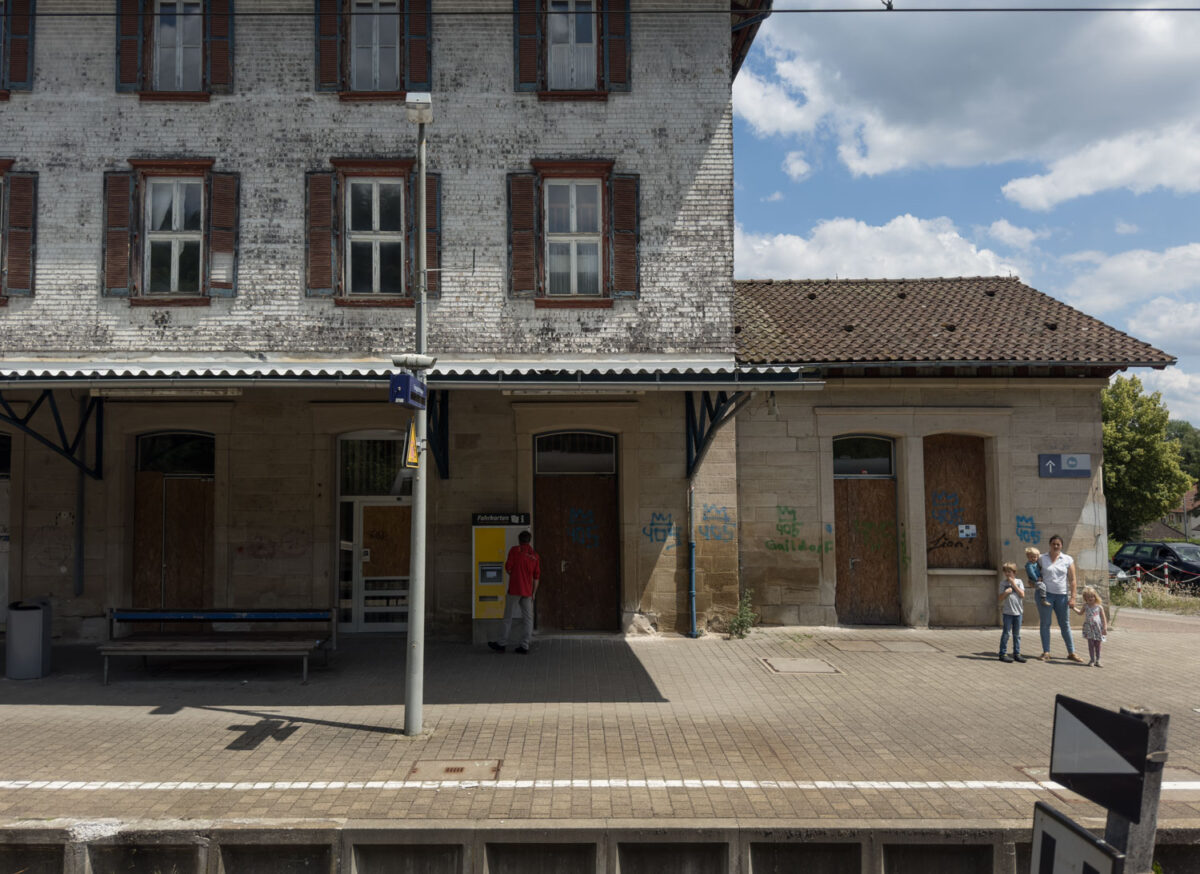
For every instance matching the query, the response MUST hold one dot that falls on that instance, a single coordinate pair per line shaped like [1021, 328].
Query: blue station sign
[407, 391]
[1065, 465]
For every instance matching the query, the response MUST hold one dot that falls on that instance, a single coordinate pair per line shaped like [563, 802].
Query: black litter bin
[27, 637]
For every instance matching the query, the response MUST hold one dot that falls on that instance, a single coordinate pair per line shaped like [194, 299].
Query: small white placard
[966, 532]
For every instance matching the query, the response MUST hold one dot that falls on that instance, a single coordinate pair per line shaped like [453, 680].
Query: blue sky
[1063, 148]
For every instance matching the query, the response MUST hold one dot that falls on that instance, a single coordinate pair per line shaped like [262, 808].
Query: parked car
[1177, 563]
[1116, 576]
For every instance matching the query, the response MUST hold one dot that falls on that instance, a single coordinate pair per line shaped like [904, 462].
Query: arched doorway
[865, 531]
[173, 520]
[576, 530]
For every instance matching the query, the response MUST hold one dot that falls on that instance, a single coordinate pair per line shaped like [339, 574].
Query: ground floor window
[374, 531]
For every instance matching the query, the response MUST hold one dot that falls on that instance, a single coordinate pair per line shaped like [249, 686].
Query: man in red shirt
[524, 568]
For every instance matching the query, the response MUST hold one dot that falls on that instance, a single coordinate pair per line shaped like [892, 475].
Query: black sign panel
[499, 518]
[1062, 846]
[1100, 754]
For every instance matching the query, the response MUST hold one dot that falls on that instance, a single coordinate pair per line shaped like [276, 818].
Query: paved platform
[799, 727]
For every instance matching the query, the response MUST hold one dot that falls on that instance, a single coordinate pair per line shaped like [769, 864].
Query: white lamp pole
[420, 110]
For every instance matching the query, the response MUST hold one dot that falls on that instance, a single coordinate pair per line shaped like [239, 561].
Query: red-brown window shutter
[20, 45]
[118, 233]
[417, 15]
[329, 44]
[523, 235]
[625, 233]
[223, 234]
[19, 236]
[130, 34]
[527, 44]
[218, 36]
[321, 235]
[616, 45]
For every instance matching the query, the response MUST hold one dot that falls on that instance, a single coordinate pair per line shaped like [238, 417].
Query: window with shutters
[360, 232]
[373, 49]
[16, 46]
[18, 216]
[573, 234]
[170, 236]
[571, 49]
[175, 49]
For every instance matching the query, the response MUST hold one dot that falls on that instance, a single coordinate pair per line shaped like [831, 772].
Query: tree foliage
[1142, 474]
[1189, 446]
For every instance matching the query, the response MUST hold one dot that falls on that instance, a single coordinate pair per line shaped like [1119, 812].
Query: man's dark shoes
[1017, 657]
[497, 647]
[1005, 657]
[521, 650]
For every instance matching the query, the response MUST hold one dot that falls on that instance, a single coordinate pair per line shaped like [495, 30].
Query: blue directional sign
[408, 391]
[1065, 465]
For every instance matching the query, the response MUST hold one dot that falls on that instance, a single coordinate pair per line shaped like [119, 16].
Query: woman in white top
[1058, 573]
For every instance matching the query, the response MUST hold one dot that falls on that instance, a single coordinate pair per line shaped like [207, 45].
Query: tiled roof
[961, 320]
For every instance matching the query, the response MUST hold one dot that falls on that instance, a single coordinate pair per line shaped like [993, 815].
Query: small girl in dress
[1095, 623]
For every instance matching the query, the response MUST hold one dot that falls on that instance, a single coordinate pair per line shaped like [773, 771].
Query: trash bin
[27, 640]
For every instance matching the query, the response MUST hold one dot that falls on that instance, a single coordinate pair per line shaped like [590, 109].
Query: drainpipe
[80, 480]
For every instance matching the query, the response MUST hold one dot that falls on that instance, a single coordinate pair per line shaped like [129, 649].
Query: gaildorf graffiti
[787, 535]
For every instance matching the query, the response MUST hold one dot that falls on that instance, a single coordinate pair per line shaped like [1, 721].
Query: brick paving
[592, 729]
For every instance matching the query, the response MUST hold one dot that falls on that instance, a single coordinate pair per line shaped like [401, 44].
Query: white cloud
[1172, 325]
[1125, 227]
[943, 90]
[1139, 161]
[905, 247]
[773, 197]
[796, 167]
[1011, 235]
[1138, 274]
[1180, 390]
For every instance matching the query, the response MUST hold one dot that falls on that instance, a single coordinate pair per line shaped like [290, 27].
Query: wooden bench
[234, 645]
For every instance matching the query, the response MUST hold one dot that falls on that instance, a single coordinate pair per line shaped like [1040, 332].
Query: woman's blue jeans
[1058, 607]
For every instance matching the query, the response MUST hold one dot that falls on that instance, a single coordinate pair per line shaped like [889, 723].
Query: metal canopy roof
[640, 371]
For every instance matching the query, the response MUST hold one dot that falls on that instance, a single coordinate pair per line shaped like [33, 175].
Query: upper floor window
[375, 236]
[373, 49]
[179, 46]
[18, 217]
[572, 236]
[573, 233]
[175, 49]
[571, 49]
[170, 232]
[16, 46]
[360, 228]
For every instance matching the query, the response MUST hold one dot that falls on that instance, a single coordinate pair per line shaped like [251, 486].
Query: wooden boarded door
[576, 535]
[384, 572]
[173, 541]
[956, 521]
[868, 555]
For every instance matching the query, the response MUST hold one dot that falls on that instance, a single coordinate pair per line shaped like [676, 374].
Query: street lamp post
[419, 109]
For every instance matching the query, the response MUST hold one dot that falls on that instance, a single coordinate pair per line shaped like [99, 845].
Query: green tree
[1189, 446]
[1142, 476]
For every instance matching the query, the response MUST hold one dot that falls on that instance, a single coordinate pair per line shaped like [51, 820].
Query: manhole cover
[800, 666]
[908, 646]
[857, 645]
[451, 769]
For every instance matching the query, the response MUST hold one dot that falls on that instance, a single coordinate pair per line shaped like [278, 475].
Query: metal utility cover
[800, 666]
[452, 769]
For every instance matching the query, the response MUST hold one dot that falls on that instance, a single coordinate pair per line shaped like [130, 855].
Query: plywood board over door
[956, 519]
[577, 537]
[868, 553]
[173, 541]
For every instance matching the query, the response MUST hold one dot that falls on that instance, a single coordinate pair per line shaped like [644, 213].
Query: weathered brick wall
[674, 129]
[787, 527]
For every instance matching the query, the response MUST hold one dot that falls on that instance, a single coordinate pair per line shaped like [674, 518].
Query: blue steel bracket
[439, 430]
[69, 448]
[702, 423]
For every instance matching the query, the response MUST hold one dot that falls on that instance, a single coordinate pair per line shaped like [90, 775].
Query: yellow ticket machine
[492, 536]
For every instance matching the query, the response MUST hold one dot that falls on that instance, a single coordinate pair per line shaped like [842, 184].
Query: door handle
[854, 561]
